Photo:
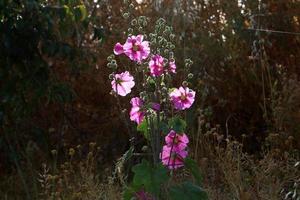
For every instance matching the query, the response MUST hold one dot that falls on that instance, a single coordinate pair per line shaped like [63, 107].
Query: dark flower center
[183, 97]
[136, 48]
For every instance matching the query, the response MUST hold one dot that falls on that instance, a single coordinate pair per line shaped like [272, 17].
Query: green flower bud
[130, 30]
[131, 6]
[172, 36]
[172, 59]
[126, 15]
[185, 83]
[134, 22]
[165, 61]
[111, 77]
[145, 23]
[190, 75]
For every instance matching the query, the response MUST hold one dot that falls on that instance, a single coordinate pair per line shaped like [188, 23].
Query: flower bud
[185, 83]
[165, 61]
[126, 15]
[131, 6]
[130, 30]
[145, 23]
[133, 22]
[190, 75]
[111, 77]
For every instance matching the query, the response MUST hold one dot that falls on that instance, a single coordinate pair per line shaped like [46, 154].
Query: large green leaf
[187, 191]
[143, 127]
[192, 166]
[80, 13]
[150, 177]
[177, 124]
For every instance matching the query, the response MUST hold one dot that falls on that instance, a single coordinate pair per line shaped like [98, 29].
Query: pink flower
[178, 141]
[135, 48]
[123, 83]
[173, 158]
[156, 65]
[172, 67]
[182, 98]
[136, 113]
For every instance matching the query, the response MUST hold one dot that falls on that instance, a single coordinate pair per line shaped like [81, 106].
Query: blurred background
[61, 133]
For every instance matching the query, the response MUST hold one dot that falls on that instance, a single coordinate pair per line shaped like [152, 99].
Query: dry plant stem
[19, 170]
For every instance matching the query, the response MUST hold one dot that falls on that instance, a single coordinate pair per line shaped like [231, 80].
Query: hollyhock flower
[123, 83]
[136, 113]
[173, 158]
[135, 48]
[182, 98]
[172, 67]
[156, 65]
[178, 141]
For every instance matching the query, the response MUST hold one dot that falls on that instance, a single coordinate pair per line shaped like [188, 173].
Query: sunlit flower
[136, 113]
[178, 141]
[172, 157]
[156, 65]
[182, 98]
[135, 48]
[122, 83]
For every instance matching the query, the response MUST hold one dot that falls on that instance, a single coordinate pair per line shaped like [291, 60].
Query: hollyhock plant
[179, 141]
[135, 48]
[136, 113]
[156, 65]
[122, 83]
[172, 157]
[182, 98]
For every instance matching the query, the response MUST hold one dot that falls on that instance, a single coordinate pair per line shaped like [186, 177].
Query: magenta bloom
[182, 98]
[135, 48]
[172, 67]
[178, 141]
[136, 113]
[173, 158]
[123, 83]
[156, 65]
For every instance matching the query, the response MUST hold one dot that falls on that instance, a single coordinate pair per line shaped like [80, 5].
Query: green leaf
[143, 127]
[151, 178]
[177, 124]
[192, 166]
[164, 128]
[80, 13]
[187, 191]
